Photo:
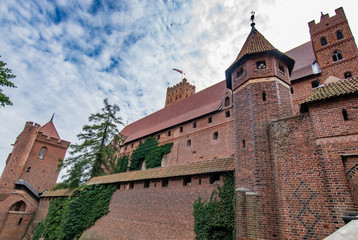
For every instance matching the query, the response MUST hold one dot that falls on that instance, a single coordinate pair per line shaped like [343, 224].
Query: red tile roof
[58, 193]
[333, 90]
[49, 130]
[194, 168]
[304, 58]
[199, 104]
[256, 43]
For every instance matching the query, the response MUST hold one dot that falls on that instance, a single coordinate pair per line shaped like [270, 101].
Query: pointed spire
[53, 115]
[252, 19]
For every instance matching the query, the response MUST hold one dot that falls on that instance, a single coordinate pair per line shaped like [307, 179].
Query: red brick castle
[30, 169]
[285, 123]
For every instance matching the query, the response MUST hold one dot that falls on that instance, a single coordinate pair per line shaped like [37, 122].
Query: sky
[69, 55]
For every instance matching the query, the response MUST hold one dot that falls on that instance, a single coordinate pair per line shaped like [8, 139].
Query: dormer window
[337, 55]
[339, 35]
[239, 72]
[281, 68]
[261, 65]
[323, 41]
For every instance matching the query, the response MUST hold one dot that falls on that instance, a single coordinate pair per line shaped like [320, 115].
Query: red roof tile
[194, 168]
[256, 43]
[332, 90]
[58, 193]
[304, 58]
[199, 104]
[49, 130]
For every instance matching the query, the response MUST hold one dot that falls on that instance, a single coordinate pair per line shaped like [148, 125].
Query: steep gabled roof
[333, 90]
[304, 58]
[256, 43]
[49, 130]
[194, 168]
[199, 104]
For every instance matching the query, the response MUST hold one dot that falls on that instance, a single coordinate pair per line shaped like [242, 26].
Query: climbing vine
[69, 217]
[121, 165]
[150, 152]
[215, 219]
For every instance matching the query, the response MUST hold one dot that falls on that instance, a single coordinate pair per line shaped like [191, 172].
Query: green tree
[5, 75]
[96, 155]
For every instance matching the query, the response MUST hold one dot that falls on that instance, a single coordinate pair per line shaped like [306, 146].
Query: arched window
[339, 35]
[323, 41]
[347, 74]
[20, 206]
[337, 55]
[42, 153]
[227, 101]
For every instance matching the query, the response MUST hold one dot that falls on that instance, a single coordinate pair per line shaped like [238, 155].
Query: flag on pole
[178, 70]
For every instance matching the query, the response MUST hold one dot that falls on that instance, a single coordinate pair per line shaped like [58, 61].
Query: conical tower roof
[49, 130]
[256, 43]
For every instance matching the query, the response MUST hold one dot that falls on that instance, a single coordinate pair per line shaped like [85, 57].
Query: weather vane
[252, 19]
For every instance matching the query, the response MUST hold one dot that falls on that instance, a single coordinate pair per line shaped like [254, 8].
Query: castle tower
[179, 91]
[34, 157]
[30, 169]
[259, 79]
[334, 46]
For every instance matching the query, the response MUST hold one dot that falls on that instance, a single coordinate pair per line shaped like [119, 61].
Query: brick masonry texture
[152, 213]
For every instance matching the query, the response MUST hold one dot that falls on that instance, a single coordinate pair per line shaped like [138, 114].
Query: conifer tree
[5, 76]
[95, 156]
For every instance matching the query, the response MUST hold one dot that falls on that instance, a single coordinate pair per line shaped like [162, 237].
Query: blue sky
[70, 55]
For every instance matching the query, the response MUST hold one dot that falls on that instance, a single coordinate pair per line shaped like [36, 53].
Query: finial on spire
[252, 19]
[53, 115]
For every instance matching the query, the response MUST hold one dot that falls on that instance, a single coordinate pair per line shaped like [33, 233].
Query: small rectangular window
[146, 183]
[187, 181]
[19, 222]
[345, 114]
[215, 178]
[181, 129]
[260, 65]
[291, 90]
[28, 169]
[169, 133]
[131, 185]
[210, 119]
[158, 136]
[227, 114]
[315, 83]
[194, 124]
[165, 182]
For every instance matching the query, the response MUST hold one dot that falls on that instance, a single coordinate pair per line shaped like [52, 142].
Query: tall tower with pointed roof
[259, 79]
[30, 169]
[34, 157]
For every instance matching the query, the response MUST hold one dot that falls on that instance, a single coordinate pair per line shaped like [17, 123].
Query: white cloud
[127, 53]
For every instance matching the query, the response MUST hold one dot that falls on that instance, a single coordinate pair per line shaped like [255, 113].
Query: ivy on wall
[150, 152]
[69, 217]
[215, 219]
[121, 165]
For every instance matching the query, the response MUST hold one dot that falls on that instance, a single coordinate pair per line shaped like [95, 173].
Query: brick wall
[155, 212]
[12, 228]
[203, 146]
[36, 170]
[328, 27]
[252, 114]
